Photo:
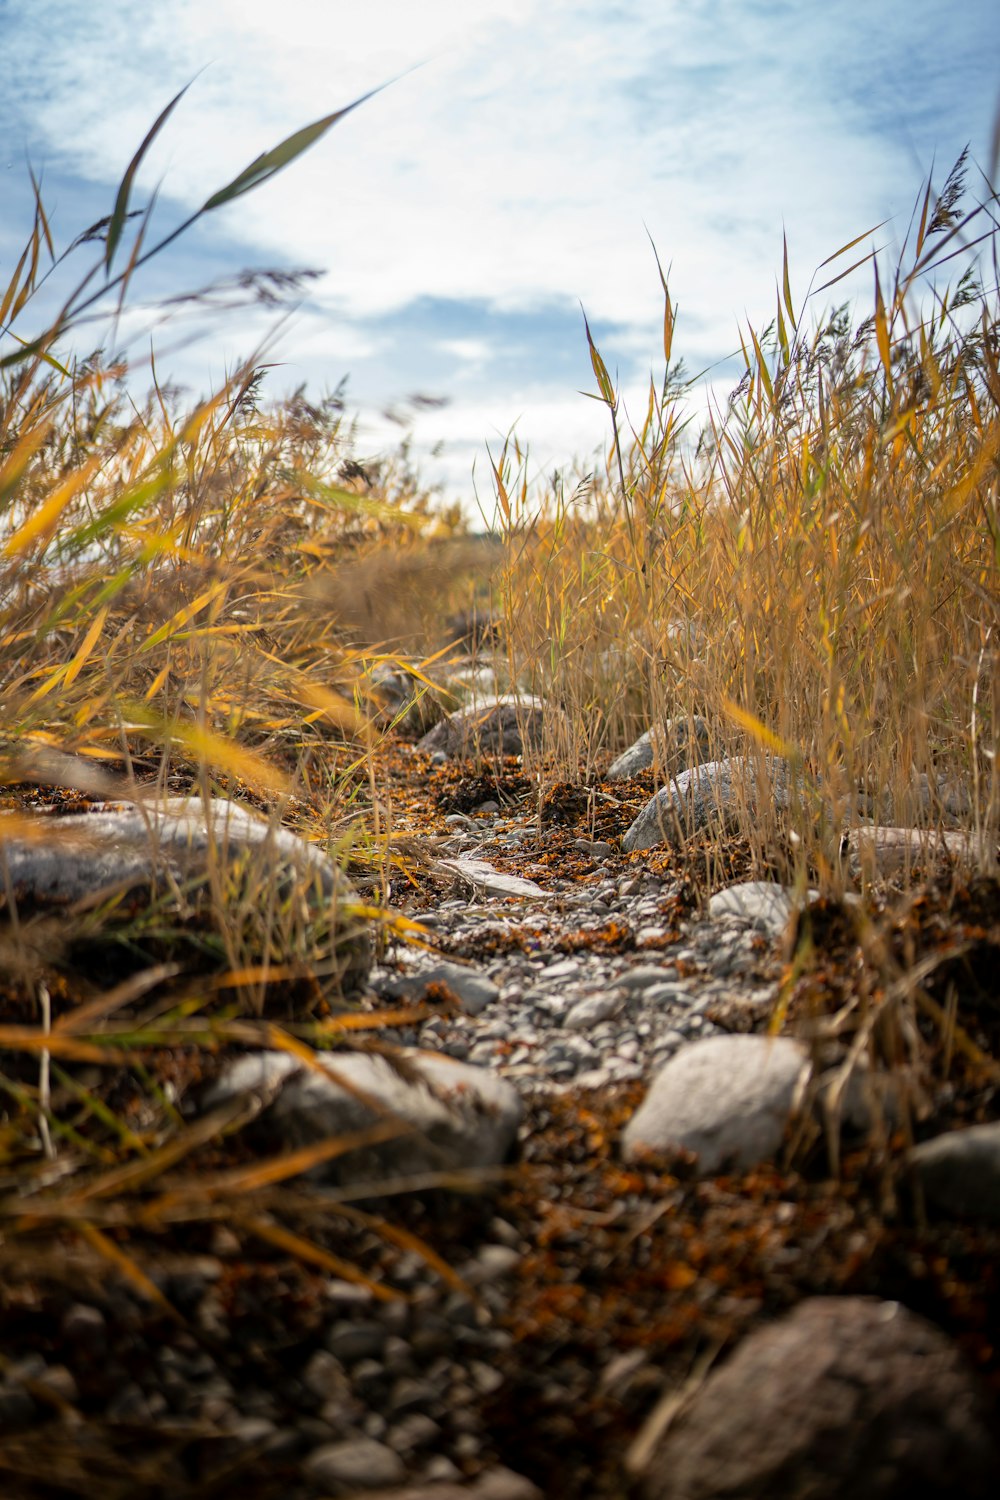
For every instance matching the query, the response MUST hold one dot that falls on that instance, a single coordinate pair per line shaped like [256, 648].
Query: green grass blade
[120, 211]
[28, 350]
[270, 162]
[669, 312]
[786, 284]
[850, 246]
[600, 368]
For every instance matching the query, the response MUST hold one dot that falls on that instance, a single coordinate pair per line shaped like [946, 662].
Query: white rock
[728, 1099]
[72, 856]
[195, 855]
[490, 882]
[594, 1009]
[356, 1463]
[760, 903]
[641, 977]
[710, 797]
[883, 850]
[457, 1115]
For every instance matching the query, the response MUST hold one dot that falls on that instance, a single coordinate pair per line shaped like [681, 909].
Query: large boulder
[501, 726]
[713, 798]
[451, 1115]
[727, 1099]
[872, 851]
[846, 1398]
[214, 864]
[730, 1100]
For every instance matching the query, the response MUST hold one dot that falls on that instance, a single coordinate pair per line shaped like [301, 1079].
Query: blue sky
[462, 215]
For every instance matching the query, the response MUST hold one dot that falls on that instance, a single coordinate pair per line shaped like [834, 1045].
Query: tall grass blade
[120, 211]
[882, 330]
[669, 312]
[600, 368]
[270, 162]
[786, 284]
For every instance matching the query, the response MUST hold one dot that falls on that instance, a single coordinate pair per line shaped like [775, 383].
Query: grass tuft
[202, 600]
[818, 571]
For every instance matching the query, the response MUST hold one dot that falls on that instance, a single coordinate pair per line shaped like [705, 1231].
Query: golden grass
[200, 593]
[169, 620]
[819, 572]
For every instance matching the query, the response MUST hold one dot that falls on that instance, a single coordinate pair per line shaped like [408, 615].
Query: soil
[626, 1278]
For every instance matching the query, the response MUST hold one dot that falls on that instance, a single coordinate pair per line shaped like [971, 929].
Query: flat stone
[459, 1116]
[473, 990]
[501, 726]
[356, 1463]
[669, 992]
[594, 1009]
[762, 904]
[482, 876]
[495, 1484]
[350, 1340]
[563, 968]
[845, 1396]
[728, 1099]
[641, 977]
[709, 798]
[960, 1172]
[192, 855]
[881, 851]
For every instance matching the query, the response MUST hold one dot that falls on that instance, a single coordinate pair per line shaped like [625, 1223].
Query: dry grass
[169, 621]
[190, 595]
[172, 583]
[819, 573]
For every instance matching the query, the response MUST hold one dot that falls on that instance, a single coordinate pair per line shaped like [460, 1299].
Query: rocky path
[613, 1260]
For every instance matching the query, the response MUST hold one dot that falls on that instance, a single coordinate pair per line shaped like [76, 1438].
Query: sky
[509, 177]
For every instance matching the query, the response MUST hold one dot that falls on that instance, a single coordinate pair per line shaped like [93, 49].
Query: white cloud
[466, 351]
[524, 158]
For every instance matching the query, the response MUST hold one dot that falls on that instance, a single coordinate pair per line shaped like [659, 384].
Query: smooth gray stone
[495, 1484]
[671, 992]
[356, 1463]
[872, 850]
[502, 726]
[707, 797]
[113, 844]
[593, 1009]
[199, 853]
[473, 989]
[728, 1099]
[762, 904]
[680, 743]
[459, 1115]
[641, 977]
[843, 1397]
[960, 1172]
